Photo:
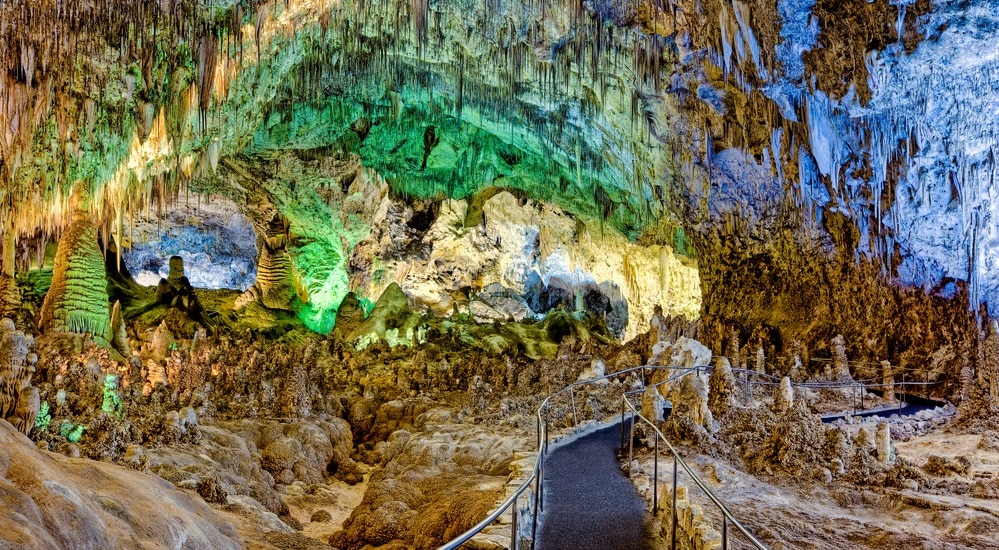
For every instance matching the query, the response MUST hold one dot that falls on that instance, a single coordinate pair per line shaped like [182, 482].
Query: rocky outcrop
[56, 502]
[433, 484]
[19, 403]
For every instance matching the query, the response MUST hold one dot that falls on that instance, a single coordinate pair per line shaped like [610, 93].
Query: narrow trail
[589, 502]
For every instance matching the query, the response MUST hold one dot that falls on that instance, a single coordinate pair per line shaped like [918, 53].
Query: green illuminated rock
[77, 301]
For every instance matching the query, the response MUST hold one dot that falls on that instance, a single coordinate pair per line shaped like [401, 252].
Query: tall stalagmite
[77, 301]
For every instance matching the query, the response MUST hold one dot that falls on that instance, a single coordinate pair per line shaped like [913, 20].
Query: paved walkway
[589, 502]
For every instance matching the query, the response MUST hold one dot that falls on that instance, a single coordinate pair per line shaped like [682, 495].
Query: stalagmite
[784, 397]
[883, 443]
[888, 379]
[10, 297]
[840, 365]
[77, 301]
[19, 401]
[721, 388]
[653, 404]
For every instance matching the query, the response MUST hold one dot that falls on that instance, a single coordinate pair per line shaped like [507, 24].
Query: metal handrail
[542, 414]
[707, 369]
[542, 423]
[728, 517]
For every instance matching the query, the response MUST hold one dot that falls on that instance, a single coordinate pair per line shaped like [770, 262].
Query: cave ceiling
[858, 133]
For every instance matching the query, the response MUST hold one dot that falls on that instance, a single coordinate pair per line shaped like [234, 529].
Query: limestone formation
[10, 296]
[864, 439]
[689, 397]
[733, 348]
[989, 371]
[119, 337]
[840, 365]
[784, 397]
[685, 352]
[275, 286]
[721, 388]
[653, 404]
[597, 369]
[52, 502]
[77, 301]
[888, 380]
[19, 402]
[796, 368]
[883, 444]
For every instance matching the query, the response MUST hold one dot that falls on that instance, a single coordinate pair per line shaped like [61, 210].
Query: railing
[727, 517]
[857, 386]
[543, 417]
[536, 477]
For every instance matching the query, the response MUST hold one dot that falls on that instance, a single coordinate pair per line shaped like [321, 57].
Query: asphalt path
[589, 502]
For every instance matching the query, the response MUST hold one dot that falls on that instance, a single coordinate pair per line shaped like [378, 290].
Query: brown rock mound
[50, 501]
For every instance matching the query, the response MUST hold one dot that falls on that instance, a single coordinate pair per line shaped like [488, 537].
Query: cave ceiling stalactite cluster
[631, 111]
[418, 216]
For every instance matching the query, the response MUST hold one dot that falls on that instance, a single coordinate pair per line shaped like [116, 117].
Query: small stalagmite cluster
[19, 402]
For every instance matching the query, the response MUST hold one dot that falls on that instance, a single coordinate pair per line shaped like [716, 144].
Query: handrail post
[631, 442]
[541, 484]
[548, 421]
[514, 539]
[655, 479]
[724, 545]
[672, 537]
[904, 388]
[572, 396]
[534, 523]
[623, 397]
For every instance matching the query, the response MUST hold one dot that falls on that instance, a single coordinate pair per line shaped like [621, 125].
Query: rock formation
[989, 369]
[653, 404]
[690, 418]
[10, 296]
[888, 380]
[883, 444]
[784, 396]
[52, 502]
[77, 301]
[840, 364]
[721, 388]
[19, 401]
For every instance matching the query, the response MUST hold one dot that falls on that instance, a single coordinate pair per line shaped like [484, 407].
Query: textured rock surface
[77, 301]
[432, 486]
[55, 502]
[537, 253]
[19, 401]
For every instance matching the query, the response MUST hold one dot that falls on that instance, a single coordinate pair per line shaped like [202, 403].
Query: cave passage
[216, 242]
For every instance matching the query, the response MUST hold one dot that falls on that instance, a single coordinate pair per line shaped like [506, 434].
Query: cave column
[888, 379]
[7, 251]
[10, 298]
[990, 366]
